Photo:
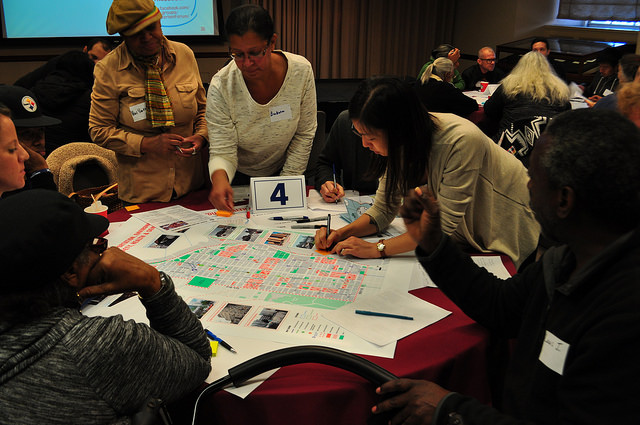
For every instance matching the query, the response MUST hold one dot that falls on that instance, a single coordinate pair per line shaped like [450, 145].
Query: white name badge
[139, 112]
[280, 113]
[269, 194]
[554, 352]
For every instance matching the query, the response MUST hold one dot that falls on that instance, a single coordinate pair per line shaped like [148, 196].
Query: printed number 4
[279, 195]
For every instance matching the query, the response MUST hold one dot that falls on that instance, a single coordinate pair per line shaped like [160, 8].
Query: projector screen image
[86, 18]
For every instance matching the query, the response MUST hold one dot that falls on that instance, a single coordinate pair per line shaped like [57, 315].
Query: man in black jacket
[484, 70]
[575, 313]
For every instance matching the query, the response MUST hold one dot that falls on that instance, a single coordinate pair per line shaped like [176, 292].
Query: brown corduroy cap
[128, 17]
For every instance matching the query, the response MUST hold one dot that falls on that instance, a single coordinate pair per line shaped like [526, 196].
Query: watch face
[381, 246]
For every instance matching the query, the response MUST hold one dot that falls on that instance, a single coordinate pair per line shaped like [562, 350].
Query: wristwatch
[381, 246]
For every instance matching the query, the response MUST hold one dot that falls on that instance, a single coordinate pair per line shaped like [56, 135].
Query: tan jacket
[119, 85]
[481, 189]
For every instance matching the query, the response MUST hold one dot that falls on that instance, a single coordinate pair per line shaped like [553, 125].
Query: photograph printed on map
[277, 238]
[222, 231]
[163, 241]
[232, 313]
[305, 242]
[249, 235]
[269, 318]
[200, 307]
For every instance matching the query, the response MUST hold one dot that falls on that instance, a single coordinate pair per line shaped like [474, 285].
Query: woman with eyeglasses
[261, 108]
[481, 189]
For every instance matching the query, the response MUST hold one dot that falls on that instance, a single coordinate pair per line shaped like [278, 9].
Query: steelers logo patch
[29, 104]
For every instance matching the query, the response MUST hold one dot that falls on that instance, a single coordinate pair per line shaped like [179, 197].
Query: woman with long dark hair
[481, 189]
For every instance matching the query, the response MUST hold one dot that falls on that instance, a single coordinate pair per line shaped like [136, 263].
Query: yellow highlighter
[214, 348]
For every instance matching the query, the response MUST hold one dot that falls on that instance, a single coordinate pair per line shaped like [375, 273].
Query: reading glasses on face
[488, 59]
[253, 56]
[99, 245]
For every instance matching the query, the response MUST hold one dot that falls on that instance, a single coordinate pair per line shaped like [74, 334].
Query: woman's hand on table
[330, 192]
[221, 194]
[415, 401]
[356, 247]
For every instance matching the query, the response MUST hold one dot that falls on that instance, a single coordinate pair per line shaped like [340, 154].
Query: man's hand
[331, 193]
[416, 402]
[162, 143]
[35, 161]
[221, 194]
[421, 216]
[118, 272]
[454, 56]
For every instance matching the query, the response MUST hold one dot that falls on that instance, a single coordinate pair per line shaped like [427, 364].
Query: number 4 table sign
[269, 194]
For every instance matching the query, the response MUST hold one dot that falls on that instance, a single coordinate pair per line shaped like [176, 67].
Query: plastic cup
[483, 86]
[97, 208]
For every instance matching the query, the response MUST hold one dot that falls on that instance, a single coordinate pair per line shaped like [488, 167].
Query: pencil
[378, 314]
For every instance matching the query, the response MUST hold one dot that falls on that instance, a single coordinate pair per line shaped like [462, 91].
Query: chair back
[317, 147]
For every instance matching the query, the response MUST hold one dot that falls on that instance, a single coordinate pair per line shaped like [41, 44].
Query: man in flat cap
[30, 122]
[148, 106]
[58, 366]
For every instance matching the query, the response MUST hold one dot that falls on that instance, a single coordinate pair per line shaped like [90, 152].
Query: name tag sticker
[280, 113]
[138, 112]
[554, 352]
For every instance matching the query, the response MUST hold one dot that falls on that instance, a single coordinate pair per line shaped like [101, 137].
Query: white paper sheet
[384, 330]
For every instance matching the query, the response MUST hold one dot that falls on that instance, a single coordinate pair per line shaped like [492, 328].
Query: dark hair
[609, 56]
[629, 64]
[596, 152]
[393, 106]
[539, 40]
[442, 51]
[107, 43]
[249, 17]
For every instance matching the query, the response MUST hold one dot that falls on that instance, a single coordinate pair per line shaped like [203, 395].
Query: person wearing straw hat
[148, 105]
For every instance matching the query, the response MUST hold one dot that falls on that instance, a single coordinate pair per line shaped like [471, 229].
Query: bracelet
[38, 172]
[164, 278]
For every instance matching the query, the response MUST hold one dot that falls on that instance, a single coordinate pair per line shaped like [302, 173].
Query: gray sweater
[67, 368]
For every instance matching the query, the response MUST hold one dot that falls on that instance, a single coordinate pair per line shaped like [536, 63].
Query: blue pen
[304, 217]
[213, 337]
[375, 313]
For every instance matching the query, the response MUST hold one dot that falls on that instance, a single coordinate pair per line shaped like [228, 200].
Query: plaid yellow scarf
[159, 110]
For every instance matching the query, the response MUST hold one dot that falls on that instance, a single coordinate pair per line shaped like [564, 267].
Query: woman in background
[261, 108]
[481, 189]
[438, 94]
[524, 102]
[12, 154]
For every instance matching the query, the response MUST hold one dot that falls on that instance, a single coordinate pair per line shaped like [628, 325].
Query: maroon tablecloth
[454, 353]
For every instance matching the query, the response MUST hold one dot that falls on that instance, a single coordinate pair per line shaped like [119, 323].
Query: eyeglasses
[253, 56]
[488, 59]
[99, 245]
[356, 132]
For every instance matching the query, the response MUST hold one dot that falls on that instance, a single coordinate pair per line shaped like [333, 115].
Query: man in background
[484, 70]
[541, 45]
[30, 123]
[627, 68]
[451, 53]
[63, 87]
